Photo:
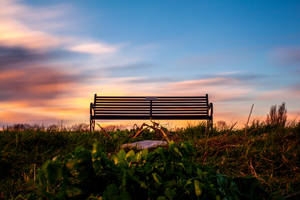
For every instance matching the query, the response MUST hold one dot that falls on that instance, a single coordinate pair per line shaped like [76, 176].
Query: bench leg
[92, 125]
[210, 124]
[207, 125]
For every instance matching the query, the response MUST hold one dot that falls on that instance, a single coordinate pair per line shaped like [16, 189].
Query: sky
[56, 54]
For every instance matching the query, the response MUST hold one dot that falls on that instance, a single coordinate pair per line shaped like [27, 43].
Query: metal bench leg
[208, 125]
[92, 125]
[211, 115]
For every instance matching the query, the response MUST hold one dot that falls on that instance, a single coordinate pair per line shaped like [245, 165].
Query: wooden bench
[151, 108]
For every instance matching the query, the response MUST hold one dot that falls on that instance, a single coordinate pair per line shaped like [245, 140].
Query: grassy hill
[37, 163]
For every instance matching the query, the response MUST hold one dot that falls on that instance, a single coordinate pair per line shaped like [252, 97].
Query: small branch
[104, 131]
[248, 120]
[232, 126]
[156, 127]
[253, 172]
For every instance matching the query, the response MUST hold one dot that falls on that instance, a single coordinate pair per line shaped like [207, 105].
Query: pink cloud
[28, 27]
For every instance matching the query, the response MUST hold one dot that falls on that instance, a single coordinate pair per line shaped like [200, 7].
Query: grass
[268, 153]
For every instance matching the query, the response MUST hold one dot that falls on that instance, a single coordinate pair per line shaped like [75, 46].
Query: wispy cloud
[50, 75]
[295, 88]
[216, 59]
[35, 76]
[43, 73]
[287, 55]
[15, 117]
[203, 83]
[94, 48]
[148, 80]
[16, 34]
[34, 84]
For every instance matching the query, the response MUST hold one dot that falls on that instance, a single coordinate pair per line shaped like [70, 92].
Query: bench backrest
[138, 107]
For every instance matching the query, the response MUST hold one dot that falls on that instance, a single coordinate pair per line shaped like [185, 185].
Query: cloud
[28, 27]
[290, 92]
[24, 26]
[214, 59]
[19, 57]
[26, 75]
[151, 80]
[289, 55]
[14, 117]
[94, 48]
[295, 88]
[220, 89]
[245, 77]
[38, 80]
[33, 61]
[129, 70]
[35, 84]
[204, 82]
[36, 72]
[15, 34]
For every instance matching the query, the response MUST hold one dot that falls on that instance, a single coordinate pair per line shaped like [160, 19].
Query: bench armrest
[211, 108]
[91, 109]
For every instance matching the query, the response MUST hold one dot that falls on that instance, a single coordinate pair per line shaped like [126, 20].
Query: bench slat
[146, 100]
[153, 113]
[153, 104]
[143, 97]
[147, 107]
[153, 110]
[161, 117]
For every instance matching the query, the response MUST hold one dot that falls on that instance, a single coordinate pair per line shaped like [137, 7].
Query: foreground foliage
[165, 173]
[41, 164]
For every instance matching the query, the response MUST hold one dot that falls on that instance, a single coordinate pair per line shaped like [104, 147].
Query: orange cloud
[13, 117]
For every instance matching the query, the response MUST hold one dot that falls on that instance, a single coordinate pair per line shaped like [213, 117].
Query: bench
[150, 108]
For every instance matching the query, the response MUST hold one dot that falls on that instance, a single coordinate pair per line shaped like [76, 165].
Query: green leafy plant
[268, 156]
[165, 173]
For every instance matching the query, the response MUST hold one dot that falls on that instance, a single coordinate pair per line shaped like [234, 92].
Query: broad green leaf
[130, 154]
[155, 177]
[198, 190]
[143, 184]
[177, 151]
[121, 155]
[115, 159]
[188, 182]
[181, 165]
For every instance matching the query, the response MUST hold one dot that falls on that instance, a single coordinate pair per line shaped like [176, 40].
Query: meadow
[257, 162]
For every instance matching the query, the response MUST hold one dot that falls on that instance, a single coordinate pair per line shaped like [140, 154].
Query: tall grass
[269, 152]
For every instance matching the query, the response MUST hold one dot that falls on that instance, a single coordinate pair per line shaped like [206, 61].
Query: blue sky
[239, 52]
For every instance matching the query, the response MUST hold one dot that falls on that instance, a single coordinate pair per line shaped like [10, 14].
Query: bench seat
[150, 108]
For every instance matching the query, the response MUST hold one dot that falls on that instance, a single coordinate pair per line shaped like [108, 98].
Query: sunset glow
[55, 55]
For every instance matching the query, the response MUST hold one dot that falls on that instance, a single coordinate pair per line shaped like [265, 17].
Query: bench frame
[151, 108]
